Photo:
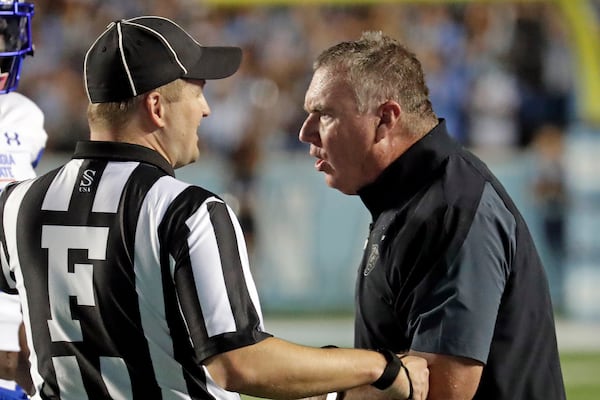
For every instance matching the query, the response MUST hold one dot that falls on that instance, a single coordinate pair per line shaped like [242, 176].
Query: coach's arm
[450, 378]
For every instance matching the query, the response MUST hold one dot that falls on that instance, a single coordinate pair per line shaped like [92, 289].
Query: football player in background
[22, 142]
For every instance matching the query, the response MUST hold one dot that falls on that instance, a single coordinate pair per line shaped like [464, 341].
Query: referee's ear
[153, 108]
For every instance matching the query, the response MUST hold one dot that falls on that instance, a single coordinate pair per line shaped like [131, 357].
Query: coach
[450, 271]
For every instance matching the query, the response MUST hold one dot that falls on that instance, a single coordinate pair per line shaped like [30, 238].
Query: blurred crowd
[500, 73]
[496, 71]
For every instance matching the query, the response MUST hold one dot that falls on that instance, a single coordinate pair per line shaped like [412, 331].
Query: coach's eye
[325, 117]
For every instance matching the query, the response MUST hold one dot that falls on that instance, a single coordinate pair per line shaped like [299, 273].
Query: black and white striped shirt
[128, 277]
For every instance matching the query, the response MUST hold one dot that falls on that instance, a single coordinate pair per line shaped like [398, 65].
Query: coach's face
[340, 137]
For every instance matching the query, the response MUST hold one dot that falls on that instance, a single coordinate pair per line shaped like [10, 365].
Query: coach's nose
[309, 132]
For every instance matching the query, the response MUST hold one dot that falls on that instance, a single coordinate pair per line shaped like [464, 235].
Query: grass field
[581, 371]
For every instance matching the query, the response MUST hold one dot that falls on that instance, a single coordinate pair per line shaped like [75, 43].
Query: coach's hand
[412, 382]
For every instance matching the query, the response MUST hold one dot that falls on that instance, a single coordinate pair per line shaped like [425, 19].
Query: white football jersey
[22, 137]
[22, 141]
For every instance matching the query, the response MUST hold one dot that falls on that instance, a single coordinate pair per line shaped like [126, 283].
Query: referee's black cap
[137, 55]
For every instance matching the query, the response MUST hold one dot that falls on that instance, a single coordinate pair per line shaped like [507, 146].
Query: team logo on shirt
[14, 139]
[372, 260]
[87, 179]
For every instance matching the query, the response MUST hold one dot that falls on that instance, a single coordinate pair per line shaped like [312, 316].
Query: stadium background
[518, 81]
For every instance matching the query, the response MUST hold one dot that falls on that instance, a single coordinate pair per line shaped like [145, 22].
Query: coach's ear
[389, 115]
[154, 108]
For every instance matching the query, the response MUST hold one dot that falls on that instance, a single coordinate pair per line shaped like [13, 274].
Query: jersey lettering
[6, 162]
[6, 172]
[7, 159]
[63, 284]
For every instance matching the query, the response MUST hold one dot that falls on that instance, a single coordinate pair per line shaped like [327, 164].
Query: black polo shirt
[450, 268]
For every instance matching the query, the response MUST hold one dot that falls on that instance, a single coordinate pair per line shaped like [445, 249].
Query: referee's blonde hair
[116, 115]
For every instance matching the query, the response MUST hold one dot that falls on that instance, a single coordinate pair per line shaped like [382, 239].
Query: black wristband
[391, 370]
[410, 385]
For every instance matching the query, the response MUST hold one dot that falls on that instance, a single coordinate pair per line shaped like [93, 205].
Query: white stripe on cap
[161, 37]
[108, 28]
[125, 65]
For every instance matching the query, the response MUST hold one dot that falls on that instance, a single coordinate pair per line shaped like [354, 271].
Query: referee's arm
[274, 368]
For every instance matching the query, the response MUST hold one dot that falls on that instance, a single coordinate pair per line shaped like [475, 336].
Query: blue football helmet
[15, 41]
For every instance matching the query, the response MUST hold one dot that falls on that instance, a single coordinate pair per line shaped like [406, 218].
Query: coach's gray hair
[380, 68]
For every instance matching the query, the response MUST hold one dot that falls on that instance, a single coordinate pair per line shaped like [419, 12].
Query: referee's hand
[411, 383]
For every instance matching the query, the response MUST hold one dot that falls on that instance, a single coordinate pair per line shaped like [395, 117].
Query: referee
[135, 285]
